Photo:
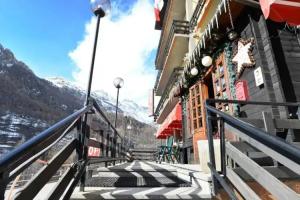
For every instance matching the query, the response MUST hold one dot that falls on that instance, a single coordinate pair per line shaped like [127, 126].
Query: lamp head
[231, 34]
[101, 7]
[118, 82]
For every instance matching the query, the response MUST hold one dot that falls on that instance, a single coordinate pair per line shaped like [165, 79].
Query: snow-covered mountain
[127, 107]
[29, 104]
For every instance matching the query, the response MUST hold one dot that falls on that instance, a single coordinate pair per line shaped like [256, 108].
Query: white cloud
[124, 45]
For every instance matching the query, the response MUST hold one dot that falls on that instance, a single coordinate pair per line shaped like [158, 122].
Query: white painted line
[143, 194]
[186, 194]
[145, 166]
[173, 194]
[130, 166]
[107, 195]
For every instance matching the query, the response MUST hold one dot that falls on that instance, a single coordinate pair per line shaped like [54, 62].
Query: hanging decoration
[195, 58]
[243, 56]
[231, 74]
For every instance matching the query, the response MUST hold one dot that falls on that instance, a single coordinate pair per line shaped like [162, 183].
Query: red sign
[93, 151]
[241, 91]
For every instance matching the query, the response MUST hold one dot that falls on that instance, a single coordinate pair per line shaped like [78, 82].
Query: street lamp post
[118, 82]
[100, 9]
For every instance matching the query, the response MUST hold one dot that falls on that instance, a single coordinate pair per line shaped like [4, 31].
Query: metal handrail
[196, 14]
[263, 103]
[19, 159]
[277, 144]
[28, 149]
[101, 113]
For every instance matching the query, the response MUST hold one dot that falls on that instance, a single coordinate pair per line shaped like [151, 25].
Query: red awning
[282, 10]
[173, 122]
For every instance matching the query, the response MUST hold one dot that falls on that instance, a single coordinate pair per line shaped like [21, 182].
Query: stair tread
[141, 193]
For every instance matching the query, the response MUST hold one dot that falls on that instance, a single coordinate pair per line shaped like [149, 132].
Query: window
[196, 106]
[221, 83]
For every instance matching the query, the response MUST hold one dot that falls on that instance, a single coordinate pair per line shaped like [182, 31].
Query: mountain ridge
[29, 104]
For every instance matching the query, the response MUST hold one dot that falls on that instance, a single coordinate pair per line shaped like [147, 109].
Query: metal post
[88, 94]
[211, 149]
[117, 104]
[107, 145]
[85, 155]
[3, 184]
[102, 143]
[222, 145]
[183, 155]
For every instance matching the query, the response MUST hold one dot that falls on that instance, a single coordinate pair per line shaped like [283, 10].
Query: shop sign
[259, 80]
[93, 151]
[241, 91]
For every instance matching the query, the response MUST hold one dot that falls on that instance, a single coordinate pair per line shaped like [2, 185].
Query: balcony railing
[164, 97]
[178, 27]
[196, 14]
[157, 79]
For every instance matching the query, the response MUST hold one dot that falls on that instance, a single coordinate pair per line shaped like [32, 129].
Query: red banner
[93, 151]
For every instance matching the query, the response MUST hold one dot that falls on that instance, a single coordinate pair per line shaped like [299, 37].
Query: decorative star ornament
[242, 56]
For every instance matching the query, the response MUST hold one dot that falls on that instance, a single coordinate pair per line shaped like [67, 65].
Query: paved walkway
[139, 180]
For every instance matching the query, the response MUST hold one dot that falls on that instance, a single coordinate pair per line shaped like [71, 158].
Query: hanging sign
[93, 151]
[242, 56]
[241, 91]
[259, 80]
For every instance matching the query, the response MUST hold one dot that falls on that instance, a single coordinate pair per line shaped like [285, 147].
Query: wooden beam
[287, 123]
[242, 187]
[278, 189]
[267, 150]
[280, 172]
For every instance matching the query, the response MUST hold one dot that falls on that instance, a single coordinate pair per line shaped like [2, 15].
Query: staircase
[140, 180]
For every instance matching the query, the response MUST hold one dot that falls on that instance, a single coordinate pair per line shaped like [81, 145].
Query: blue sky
[45, 35]
[42, 33]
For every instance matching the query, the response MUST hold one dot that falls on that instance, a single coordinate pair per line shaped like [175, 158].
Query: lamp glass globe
[118, 82]
[206, 61]
[101, 7]
[194, 71]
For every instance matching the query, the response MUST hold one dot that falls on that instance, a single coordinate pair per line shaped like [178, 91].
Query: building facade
[224, 49]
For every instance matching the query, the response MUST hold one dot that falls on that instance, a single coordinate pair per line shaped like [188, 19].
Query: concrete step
[141, 193]
[136, 174]
[190, 173]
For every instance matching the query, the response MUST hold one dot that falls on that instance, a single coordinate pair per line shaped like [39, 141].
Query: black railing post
[102, 143]
[79, 148]
[3, 184]
[222, 145]
[85, 155]
[211, 149]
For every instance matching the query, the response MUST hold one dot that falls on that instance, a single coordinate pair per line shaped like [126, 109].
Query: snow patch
[127, 107]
